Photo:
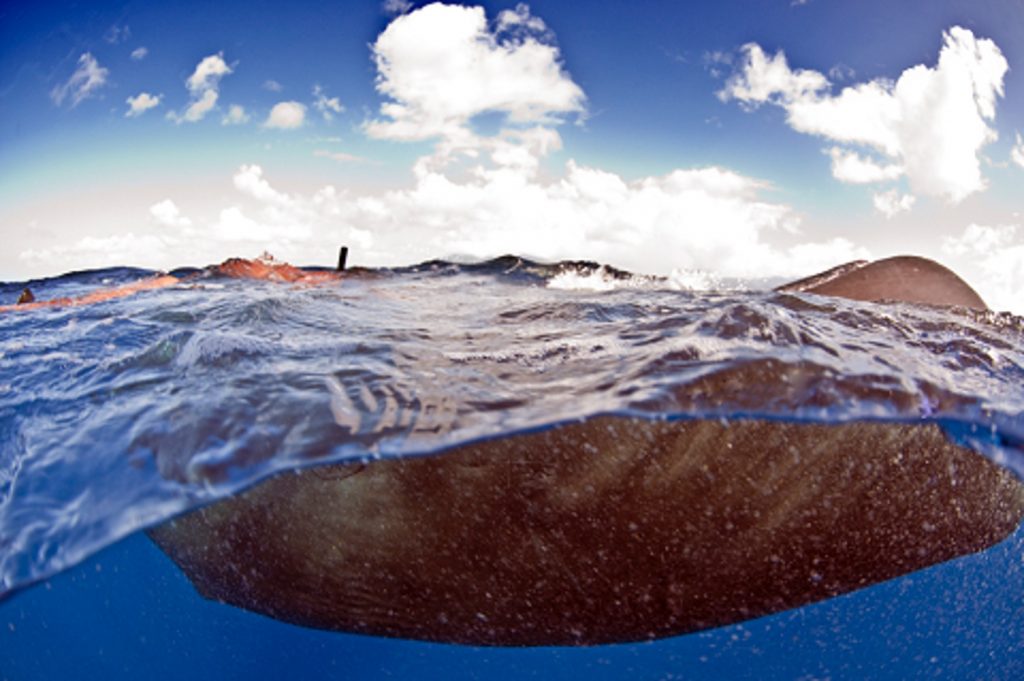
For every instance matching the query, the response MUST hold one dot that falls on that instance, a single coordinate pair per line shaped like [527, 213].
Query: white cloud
[286, 116]
[282, 223]
[1017, 153]
[395, 7]
[234, 225]
[87, 78]
[892, 203]
[198, 109]
[141, 103]
[980, 240]
[145, 250]
[328, 106]
[208, 74]
[849, 166]
[166, 213]
[441, 66]
[249, 180]
[272, 85]
[139, 53]
[769, 79]
[203, 86]
[932, 122]
[236, 115]
[992, 259]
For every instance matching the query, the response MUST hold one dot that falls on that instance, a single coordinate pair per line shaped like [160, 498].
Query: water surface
[119, 415]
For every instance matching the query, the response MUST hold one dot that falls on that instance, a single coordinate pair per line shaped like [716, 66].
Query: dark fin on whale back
[26, 297]
[907, 279]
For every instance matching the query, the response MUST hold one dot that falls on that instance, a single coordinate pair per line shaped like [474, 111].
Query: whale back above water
[908, 279]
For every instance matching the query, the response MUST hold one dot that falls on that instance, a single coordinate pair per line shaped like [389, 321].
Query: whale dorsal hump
[903, 278]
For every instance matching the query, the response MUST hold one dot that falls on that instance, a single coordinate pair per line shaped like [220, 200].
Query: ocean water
[118, 416]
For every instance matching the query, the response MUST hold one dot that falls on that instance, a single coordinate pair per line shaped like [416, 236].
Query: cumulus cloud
[769, 79]
[286, 116]
[166, 214]
[992, 259]
[932, 122]
[141, 103]
[236, 115]
[234, 225]
[249, 180]
[144, 250]
[1017, 153]
[273, 220]
[272, 86]
[198, 109]
[849, 166]
[88, 77]
[980, 240]
[893, 203]
[208, 74]
[327, 106]
[441, 66]
[139, 53]
[203, 86]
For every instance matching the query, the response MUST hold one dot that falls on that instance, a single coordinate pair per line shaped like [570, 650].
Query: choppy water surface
[118, 415]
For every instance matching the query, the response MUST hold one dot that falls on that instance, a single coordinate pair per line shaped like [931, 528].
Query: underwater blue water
[118, 415]
[128, 613]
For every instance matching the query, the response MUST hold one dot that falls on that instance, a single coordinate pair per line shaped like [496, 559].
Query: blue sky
[742, 138]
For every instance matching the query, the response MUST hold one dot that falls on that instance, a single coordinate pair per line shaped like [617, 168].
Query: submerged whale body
[606, 530]
[610, 530]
